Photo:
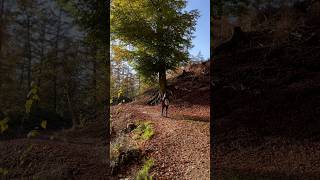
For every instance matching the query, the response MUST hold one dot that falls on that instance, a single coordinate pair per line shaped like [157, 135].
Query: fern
[144, 131]
[143, 174]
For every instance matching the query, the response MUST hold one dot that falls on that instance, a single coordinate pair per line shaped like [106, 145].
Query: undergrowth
[143, 173]
[144, 131]
[122, 152]
[3, 172]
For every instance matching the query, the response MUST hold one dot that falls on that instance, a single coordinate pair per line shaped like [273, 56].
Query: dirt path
[180, 147]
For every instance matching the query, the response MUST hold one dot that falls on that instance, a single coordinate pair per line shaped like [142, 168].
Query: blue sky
[201, 41]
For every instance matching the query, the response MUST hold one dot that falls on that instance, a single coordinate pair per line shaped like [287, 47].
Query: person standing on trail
[164, 104]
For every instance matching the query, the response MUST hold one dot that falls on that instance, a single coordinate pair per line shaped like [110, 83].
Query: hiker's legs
[162, 110]
[166, 111]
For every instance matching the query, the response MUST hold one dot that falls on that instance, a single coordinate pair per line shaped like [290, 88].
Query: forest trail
[180, 147]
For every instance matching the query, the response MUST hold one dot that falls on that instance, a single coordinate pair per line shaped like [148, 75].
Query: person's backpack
[166, 102]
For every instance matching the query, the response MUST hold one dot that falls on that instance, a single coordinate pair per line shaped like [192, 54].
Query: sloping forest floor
[180, 146]
[267, 97]
[78, 154]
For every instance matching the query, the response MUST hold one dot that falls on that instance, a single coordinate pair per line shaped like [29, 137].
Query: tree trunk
[237, 37]
[1, 24]
[55, 94]
[29, 55]
[71, 110]
[95, 94]
[42, 55]
[1, 34]
[162, 81]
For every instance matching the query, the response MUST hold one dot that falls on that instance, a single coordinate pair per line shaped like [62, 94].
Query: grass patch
[143, 131]
[143, 173]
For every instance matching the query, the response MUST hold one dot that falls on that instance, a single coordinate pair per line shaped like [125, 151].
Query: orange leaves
[119, 53]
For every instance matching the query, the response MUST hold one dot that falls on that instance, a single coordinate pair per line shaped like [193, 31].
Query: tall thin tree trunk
[1, 24]
[21, 76]
[95, 97]
[162, 80]
[43, 37]
[29, 55]
[1, 34]
[55, 62]
[71, 110]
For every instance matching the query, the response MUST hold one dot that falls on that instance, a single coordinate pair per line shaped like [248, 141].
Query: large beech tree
[153, 35]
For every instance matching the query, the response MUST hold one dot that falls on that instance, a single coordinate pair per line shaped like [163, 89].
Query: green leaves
[159, 34]
[144, 131]
[120, 93]
[32, 97]
[92, 16]
[43, 124]
[28, 105]
[4, 125]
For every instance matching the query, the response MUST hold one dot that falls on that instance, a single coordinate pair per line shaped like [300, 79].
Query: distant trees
[124, 83]
[199, 57]
[155, 38]
[93, 18]
[43, 42]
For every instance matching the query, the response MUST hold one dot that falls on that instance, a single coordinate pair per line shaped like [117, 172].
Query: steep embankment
[266, 101]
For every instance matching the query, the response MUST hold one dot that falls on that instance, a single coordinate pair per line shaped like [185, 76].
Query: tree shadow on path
[190, 118]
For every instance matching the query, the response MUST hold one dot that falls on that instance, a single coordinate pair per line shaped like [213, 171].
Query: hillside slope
[266, 103]
[181, 141]
[185, 84]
